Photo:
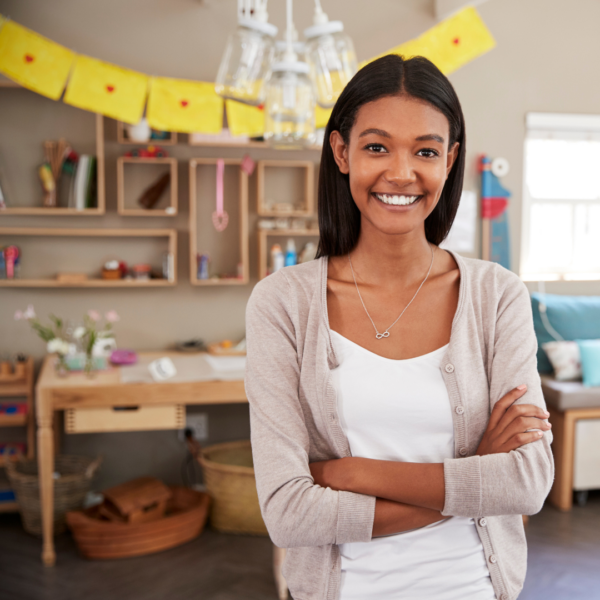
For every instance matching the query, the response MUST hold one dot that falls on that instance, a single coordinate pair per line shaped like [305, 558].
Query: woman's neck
[379, 258]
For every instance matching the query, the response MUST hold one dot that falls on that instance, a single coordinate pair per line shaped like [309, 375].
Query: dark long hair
[391, 75]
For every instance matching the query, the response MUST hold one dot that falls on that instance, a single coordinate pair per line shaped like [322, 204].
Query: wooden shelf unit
[170, 234]
[170, 211]
[11, 386]
[123, 139]
[264, 207]
[242, 217]
[263, 244]
[61, 211]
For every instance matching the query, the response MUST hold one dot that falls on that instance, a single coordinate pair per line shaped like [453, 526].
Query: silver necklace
[386, 333]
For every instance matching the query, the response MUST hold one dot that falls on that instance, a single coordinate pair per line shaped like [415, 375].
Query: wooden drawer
[130, 418]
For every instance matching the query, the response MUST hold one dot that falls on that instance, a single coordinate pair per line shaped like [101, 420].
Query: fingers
[521, 439]
[504, 404]
[521, 411]
[522, 425]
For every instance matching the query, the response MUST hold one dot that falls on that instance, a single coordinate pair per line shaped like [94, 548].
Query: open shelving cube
[142, 173]
[285, 188]
[43, 248]
[21, 180]
[228, 250]
[266, 237]
[123, 138]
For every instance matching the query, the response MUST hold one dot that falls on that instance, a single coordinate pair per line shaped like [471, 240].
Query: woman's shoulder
[290, 286]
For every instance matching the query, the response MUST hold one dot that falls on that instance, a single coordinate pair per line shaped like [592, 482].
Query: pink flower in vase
[111, 316]
[94, 315]
[29, 313]
[18, 315]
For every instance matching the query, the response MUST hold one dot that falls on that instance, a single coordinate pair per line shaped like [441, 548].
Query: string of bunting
[47, 68]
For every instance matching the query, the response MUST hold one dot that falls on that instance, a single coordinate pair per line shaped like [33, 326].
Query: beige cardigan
[294, 422]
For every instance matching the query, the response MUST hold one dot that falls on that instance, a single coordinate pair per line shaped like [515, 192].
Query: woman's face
[397, 160]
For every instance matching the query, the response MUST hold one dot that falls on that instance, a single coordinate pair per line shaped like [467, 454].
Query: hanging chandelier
[288, 77]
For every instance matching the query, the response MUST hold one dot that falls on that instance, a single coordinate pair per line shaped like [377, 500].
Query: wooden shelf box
[20, 177]
[228, 250]
[285, 188]
[142, 173]
[122, 137]
[60, 250]
[268, 237]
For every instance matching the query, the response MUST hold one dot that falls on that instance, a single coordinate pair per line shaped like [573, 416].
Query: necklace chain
[386, 333]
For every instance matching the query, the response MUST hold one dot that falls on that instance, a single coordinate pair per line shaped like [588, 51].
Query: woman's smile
[397, 202]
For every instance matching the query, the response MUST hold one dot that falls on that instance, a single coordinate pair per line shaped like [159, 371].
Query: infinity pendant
[382, 335]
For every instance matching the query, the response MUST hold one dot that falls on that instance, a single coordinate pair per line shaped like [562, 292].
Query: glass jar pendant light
[290, 98]
[330, 54]
[246, 62]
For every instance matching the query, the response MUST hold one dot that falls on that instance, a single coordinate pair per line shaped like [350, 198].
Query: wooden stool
[280, 582]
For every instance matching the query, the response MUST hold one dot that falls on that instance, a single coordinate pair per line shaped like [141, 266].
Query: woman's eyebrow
[430, 137]
[380, 132]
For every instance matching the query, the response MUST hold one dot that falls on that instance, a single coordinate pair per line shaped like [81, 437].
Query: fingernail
[540, 433]
[522, 387]
[546, 413]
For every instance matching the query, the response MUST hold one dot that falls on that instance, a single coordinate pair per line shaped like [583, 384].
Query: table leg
[563, 447]
[280, 583]
[45, 440]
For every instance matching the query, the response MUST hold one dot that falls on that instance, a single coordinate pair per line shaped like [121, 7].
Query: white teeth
[396, 200]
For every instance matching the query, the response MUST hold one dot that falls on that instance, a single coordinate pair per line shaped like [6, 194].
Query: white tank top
[400, 410]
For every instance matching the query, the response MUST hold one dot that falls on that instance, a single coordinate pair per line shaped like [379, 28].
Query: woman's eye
[378, 148]
[428, 153]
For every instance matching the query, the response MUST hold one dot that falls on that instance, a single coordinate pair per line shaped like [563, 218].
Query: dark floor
[564, 564]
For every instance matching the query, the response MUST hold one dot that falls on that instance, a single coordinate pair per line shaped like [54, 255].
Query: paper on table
[189, 368]
[226, 363]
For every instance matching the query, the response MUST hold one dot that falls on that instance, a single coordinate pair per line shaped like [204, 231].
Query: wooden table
[105, 389]
[563, 448]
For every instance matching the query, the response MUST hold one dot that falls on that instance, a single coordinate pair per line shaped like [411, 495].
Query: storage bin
[128, 418]
[229, 477]
[70, 488]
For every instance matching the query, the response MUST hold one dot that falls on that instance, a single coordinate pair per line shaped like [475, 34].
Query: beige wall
[546, 60]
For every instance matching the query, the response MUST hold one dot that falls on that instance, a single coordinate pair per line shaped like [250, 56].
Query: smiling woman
[395, 461]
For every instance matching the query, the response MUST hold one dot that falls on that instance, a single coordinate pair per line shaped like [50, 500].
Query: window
[561, 198]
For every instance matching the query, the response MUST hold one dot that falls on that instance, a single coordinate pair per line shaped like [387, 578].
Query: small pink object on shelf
[123, 357]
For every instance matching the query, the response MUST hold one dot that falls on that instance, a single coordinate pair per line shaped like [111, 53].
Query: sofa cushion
[589, 351]
[573, 317]
[565, 395]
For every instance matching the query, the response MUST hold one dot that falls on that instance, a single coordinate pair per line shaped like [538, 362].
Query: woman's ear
[452, 154]
[340, 151]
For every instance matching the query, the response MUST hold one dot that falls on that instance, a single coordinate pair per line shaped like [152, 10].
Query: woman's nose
[400, 171]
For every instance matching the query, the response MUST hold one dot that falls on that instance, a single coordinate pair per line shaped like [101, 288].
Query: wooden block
[71, 277]
[136, 495]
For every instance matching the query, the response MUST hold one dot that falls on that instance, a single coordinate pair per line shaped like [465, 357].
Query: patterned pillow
[565, 359]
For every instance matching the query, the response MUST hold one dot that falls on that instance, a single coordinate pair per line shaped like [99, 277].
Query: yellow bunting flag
[34, 61]
[322, 116]
[107, 89]
[450, 44]
[186, 106]
[243, 119]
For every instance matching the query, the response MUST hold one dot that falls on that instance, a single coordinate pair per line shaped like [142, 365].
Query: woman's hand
[329, 473]
[510, 423]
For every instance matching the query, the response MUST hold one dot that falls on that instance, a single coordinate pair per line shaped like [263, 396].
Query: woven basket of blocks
[229, 478]
[72, 480]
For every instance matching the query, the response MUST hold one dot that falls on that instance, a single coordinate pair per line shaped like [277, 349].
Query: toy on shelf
[494, 216]
[10, 262]
[54, 155]
[149, 152]
[220, 218]
[228, 348]
[151, 195]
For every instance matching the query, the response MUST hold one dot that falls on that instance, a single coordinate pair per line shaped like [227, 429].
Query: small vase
[89, 366]
[60, 366]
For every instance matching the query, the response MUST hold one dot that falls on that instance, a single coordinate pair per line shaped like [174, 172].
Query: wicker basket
[70, 488]
[229, 477]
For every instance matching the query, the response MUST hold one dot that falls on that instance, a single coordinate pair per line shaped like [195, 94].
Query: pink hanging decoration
[220, 218]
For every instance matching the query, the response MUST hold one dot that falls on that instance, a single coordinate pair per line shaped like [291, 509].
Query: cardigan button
[503, 596]
[482, 522]
[449, 368]
[493, 559]
[460, 410]
[463, 451]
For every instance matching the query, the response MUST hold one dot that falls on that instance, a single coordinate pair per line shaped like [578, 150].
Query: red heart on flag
[456, 41]
[184, 103]
[29, 58]
[261, 107]
[110, 88]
